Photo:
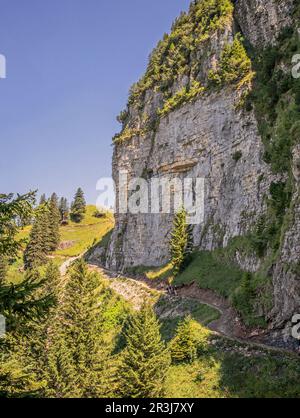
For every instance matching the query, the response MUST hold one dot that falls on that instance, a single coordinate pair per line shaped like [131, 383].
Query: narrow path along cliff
[135, 290]
[64, 267]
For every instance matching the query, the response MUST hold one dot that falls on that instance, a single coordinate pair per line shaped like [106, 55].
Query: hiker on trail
[175, 291]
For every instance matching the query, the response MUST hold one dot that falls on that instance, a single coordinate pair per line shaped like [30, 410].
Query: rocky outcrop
[261, 21]
[211, 137]
[286, 275]
[202, 138]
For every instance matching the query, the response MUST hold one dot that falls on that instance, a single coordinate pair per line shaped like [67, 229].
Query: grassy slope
[223, 369]
[85, 234]
[227, 369]
[81, 237]
[212, 272]
[174, 310]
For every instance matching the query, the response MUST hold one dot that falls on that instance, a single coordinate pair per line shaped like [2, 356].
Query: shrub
[244, 296]
[183, 96]
[237, 156]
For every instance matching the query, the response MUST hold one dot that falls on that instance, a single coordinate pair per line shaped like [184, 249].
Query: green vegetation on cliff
[177, 66]
[174, 54]
[234, 67]
[275, 97]
[185, 95]
[276, 101]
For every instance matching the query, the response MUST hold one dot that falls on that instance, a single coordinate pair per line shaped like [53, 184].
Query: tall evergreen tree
[20, 303]
[64, 209]
[78, 357]
[58, 368]
[36, 343]
[78, 207]
[12, 209]
[52, 280]
[23, 301]
[35, 254]
[53, 223]
[43, 199]
[3, 269]
[181, 244]
[20, 372]
[145, 360]
[183, 346]
[17, 299]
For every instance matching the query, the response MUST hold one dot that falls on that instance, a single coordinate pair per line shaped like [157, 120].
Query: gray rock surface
[261, 21]
[200, 140]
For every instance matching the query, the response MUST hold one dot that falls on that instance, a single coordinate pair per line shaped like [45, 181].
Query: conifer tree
[53, 223]
[21, 304]
[19, 299]
[35, 254]
[244, 296]
[79, 359]
[51, 280]
[58, 365]
[78, 207]
[181, 245]
[183, 346]
[145, 360]
[3, 269]
[37, 341]
[25, 307]
[11, 209]
[63, 209]
[43, 199]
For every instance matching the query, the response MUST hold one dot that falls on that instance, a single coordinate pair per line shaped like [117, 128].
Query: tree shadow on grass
[240, 370]
[251, 372]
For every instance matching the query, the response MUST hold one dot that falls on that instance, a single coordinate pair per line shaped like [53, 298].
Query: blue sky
[70, 64]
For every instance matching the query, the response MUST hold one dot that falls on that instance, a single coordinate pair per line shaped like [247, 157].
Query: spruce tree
[21, 304]
[18, 299]
[35, 254]
[183, 346]
[78, 207]
[11, 209]
[37, 343]
[78, 357]
[145, 361]
[181, 244]
[51, 280]
[53, 223]
[3, 269]
[58, 368]
[43, 200]
[63, 209]
[26, 308]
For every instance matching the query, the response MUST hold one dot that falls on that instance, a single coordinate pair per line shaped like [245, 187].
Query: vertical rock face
[207, 132]
[214, 138]
[261, 21]
[286, 275]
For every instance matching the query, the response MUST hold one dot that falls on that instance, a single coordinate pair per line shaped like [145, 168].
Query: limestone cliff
[190, 116]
